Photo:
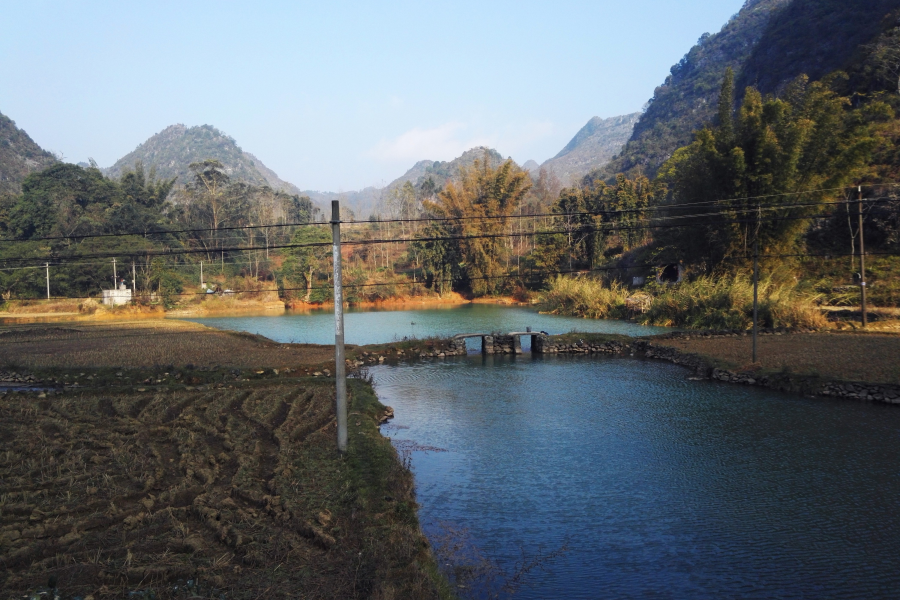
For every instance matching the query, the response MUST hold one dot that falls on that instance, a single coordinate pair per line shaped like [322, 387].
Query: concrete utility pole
[755, 292]
[47, 265]
[340, 368]
[862, 263]
[133, 284]
[756, 281]
[115, 277]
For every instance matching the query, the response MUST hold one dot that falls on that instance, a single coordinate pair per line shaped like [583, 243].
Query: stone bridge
[505, 343]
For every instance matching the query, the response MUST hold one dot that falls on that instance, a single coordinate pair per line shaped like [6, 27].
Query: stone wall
[543, 344]
[501, 344]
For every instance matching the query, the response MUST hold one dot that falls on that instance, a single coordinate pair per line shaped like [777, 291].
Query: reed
[727, 303]
[706, 302]
[584, 297]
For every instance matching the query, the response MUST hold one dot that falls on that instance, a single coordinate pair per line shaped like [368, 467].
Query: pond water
[659, 487]
[367, 326]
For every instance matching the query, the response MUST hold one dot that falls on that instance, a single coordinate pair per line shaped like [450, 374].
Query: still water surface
[662, 487]
[367, 326]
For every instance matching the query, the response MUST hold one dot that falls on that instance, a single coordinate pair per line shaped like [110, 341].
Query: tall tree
[784, 151]
[476, 206]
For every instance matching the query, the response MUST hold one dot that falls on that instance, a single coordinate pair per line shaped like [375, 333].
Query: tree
[306, 262]
[884, 57]
[783, 151]
[477, 204]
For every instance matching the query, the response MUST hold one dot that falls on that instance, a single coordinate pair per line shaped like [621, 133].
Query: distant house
[117, 297]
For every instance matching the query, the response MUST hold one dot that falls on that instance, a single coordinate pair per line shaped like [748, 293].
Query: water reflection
[365, 326]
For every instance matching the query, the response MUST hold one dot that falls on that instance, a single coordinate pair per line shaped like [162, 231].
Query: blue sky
[338, 95]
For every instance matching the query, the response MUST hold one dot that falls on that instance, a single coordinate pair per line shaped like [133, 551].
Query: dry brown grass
[240, 491]
[871, 357]
[147, 343]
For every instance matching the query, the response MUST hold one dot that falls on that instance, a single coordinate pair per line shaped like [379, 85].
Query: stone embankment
[862, 391]
[11, 377]
[543, 344]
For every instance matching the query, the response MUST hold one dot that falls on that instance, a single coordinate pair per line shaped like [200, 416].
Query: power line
[580, 228]
[661, 207]
[533, 275]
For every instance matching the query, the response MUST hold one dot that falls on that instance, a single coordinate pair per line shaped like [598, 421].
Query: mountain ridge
[19, 156]
[170, 152]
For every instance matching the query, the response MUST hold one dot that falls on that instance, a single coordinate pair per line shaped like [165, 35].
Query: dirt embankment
[863, 357]
[141, 344]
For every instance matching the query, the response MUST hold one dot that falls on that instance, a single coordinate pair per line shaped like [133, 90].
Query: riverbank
[163, 458]
[44, 311]
[860, 366]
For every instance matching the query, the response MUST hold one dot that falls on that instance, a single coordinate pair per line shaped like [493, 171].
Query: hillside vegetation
[19, 156]
[170, 152]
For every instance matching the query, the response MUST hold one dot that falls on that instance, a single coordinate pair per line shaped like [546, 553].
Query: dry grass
[873, 357]
[147, 344]
[727, 303]
[585, 297]
[239, 491]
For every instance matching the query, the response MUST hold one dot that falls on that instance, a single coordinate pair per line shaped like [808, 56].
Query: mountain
[171, 150]
[592, 147]
[366, 202]
[443, 171]
[767, 43]
[531, 166]
[19, 156]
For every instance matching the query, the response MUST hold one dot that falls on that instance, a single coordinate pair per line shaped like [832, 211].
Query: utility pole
[755, 292]
[201, 273]
[862, 262]
[756, 282]
[340, 374]
[47, 265]
[133, 284]
[115, 277]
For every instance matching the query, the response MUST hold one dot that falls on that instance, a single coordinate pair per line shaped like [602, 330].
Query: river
[656, 486]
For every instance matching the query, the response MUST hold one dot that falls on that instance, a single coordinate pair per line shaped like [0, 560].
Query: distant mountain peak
[593, 146]
[19, 156]
[172, 150]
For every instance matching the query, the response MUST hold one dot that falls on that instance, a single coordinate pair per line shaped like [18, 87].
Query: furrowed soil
[863, 357]
[137, 484]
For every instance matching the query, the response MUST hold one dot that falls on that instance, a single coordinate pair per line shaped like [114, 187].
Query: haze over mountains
[170, 152]
[768, 43]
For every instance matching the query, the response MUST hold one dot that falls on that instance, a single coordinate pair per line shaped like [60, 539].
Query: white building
[117, 297]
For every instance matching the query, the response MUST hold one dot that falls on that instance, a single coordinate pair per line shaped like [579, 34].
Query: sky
[336, 96]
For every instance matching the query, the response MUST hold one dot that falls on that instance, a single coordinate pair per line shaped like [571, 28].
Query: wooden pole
[340, 374]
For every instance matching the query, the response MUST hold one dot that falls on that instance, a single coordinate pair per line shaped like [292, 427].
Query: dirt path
[865, 357]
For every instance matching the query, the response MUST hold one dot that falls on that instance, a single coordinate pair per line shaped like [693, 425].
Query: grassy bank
[193, 481]
[704, 303]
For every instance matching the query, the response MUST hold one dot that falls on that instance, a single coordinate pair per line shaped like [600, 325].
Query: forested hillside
[19, 156]
[767, 44]
[170, 152]
[429, 175]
